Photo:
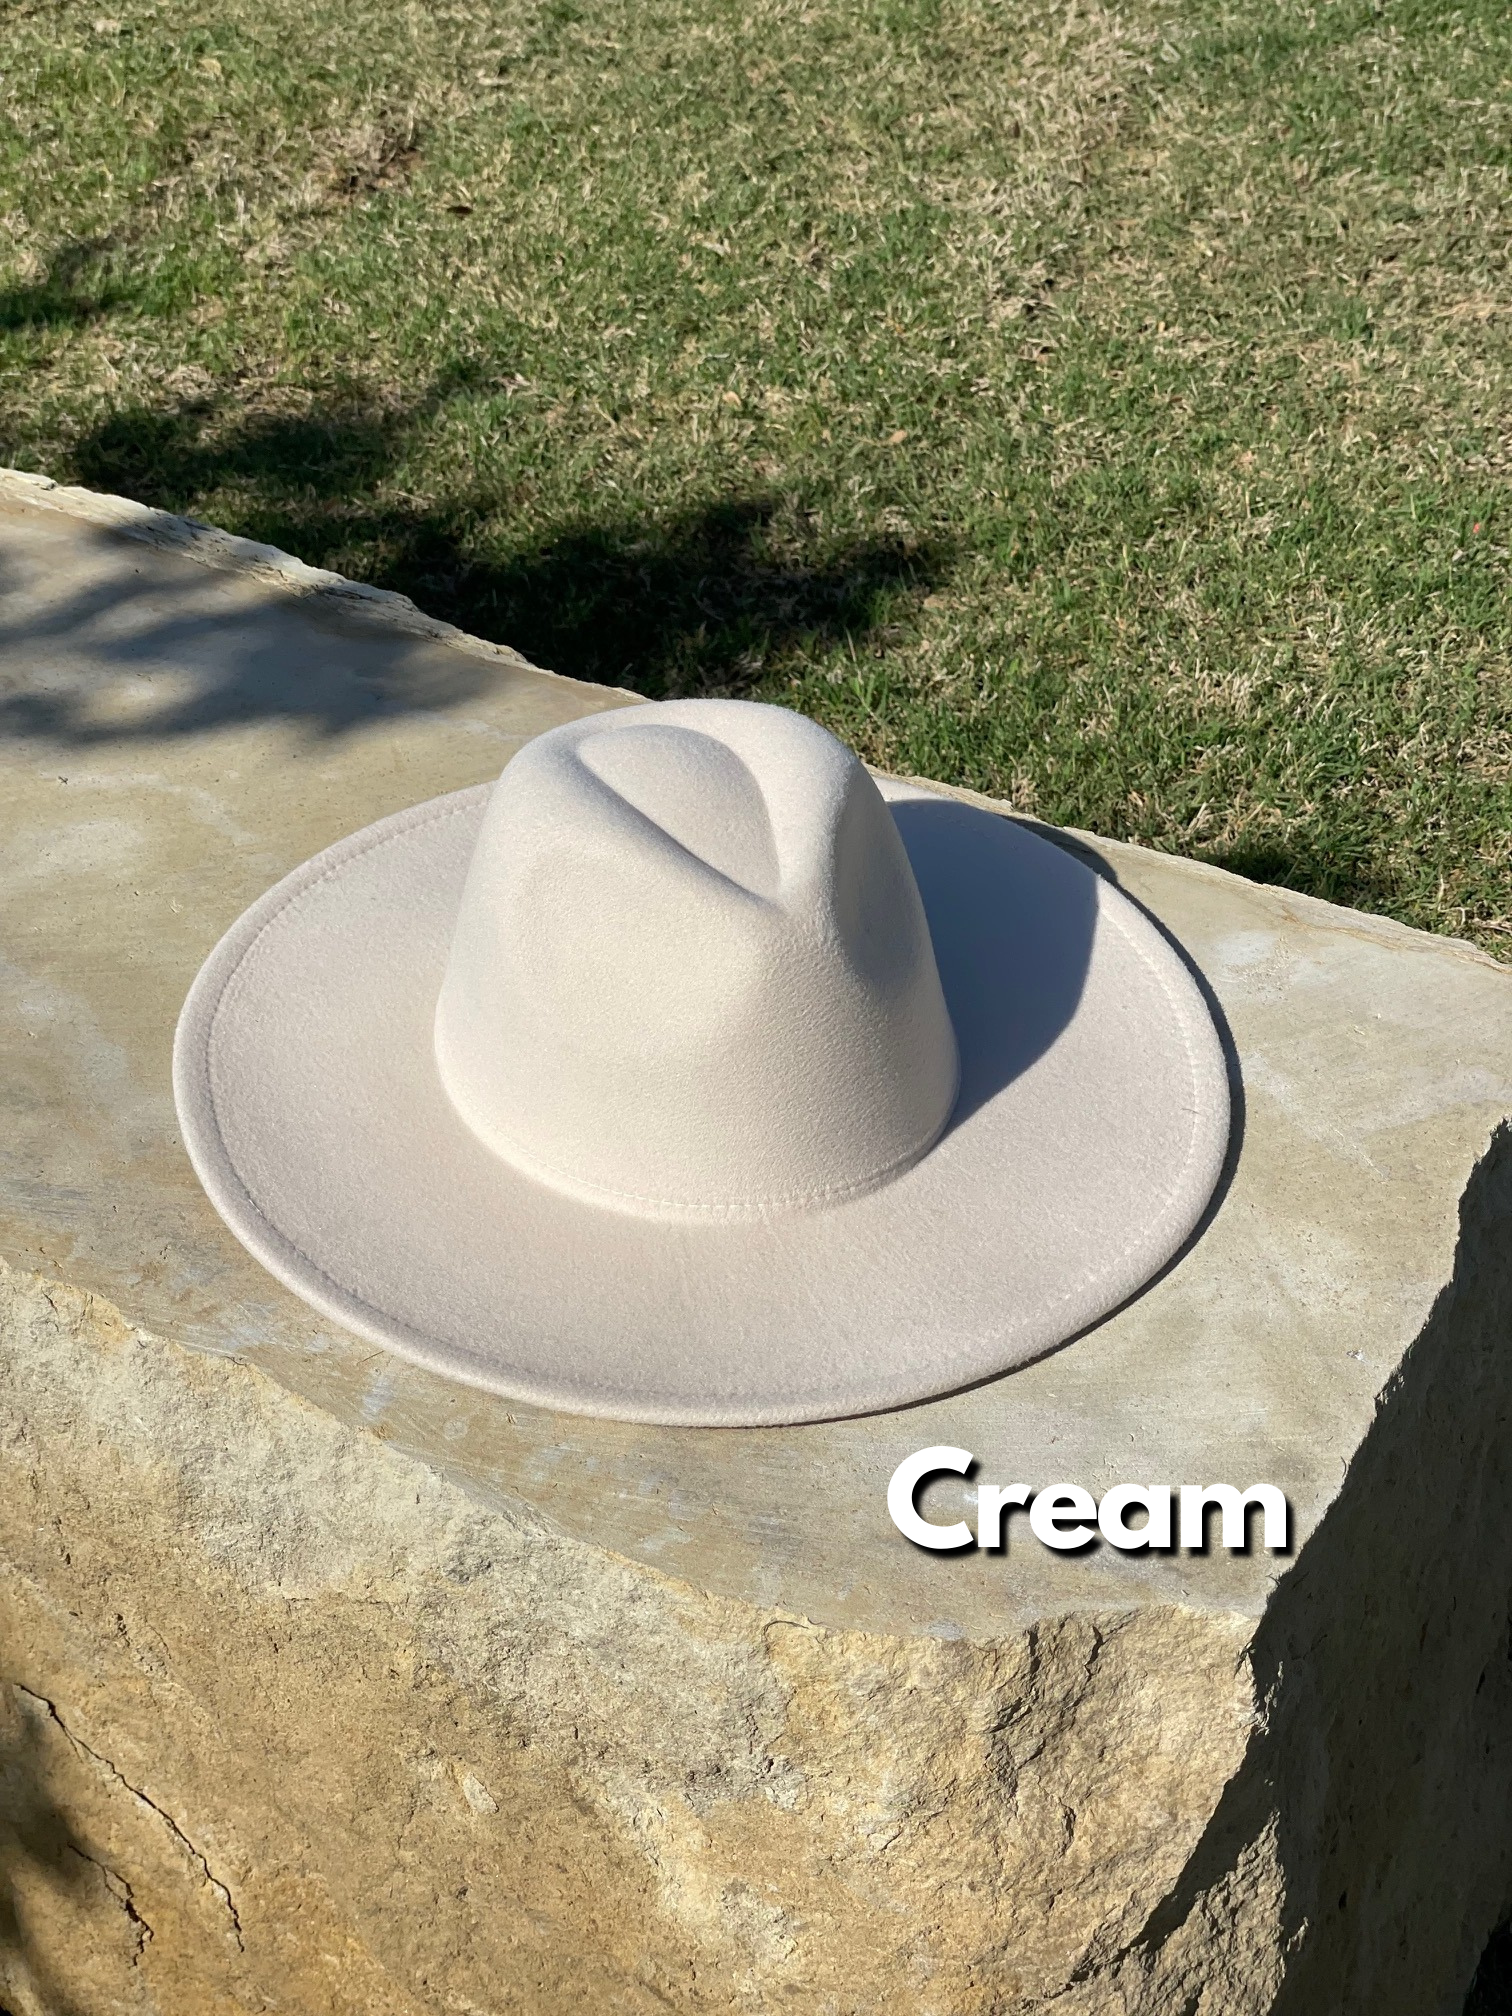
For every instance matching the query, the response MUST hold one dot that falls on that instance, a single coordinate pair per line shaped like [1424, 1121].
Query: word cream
[1066, 1517]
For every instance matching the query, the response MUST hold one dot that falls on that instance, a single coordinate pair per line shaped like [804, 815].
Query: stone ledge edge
[229, 553]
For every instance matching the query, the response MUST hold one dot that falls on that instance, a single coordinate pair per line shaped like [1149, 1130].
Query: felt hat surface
[684, 1075]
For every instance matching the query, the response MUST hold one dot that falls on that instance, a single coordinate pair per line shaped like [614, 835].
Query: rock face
[329, 1687]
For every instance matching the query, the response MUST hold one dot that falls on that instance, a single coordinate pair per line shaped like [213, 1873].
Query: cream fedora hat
[686, 1075]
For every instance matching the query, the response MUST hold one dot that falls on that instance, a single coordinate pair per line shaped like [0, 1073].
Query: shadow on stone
[1491, 1990]
[41, 1865]
[1377, 1781]
[1008, 1004]
[165, 656]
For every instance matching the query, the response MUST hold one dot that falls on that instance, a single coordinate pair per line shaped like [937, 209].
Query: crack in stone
[123, 1894]
[104, 1764]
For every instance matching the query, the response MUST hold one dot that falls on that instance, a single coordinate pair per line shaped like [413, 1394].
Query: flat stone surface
[182, 722]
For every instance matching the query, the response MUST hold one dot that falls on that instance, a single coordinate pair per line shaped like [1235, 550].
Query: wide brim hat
[704, 1085]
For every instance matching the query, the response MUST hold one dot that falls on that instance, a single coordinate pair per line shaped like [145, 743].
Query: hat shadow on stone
[958, 853]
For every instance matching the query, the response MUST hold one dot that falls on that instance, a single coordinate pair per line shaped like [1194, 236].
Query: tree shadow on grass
[704, 599]
[714, 597]
[77, 286]
[1341, 872]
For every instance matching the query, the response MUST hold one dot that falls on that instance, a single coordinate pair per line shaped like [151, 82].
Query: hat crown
[691, 975]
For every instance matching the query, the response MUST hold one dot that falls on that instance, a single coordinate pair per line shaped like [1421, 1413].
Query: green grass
[1108, 409]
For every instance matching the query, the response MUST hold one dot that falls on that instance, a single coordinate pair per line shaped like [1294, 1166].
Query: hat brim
[1088, 1137]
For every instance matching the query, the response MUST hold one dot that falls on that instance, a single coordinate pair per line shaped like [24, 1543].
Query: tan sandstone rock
[328, 1687]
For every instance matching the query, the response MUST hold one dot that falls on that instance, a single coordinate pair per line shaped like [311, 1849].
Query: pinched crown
[691, 975]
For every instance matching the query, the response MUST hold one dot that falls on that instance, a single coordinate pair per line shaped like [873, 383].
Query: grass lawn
[1107, 408]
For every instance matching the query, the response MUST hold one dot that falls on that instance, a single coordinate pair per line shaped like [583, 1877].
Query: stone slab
[318, 1669]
